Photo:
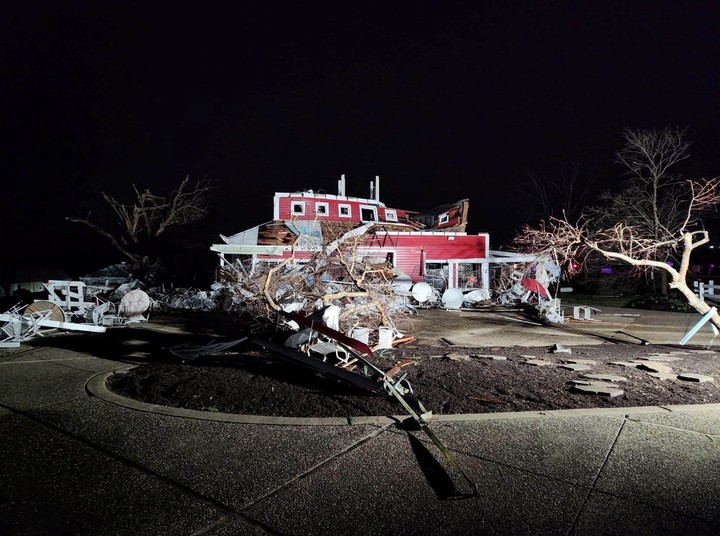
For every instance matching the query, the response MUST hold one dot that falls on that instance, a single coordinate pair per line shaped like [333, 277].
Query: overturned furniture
[36, 320]
[71, 306]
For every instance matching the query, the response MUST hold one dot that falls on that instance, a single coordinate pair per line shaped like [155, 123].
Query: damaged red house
[430, 246]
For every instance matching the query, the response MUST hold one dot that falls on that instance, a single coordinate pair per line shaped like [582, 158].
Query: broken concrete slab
[581, 361]
[628, 364]
[599, 389]
[538, 362]
[661, 358]
[575, 366]
[663, 375]
[692, 377]
[594, 382]
[650, 366]
[605, 377]
[490, 356]
[560, 349]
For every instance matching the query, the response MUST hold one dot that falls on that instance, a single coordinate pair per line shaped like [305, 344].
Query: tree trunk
[140, 267]
[695, 302]
[664, 283]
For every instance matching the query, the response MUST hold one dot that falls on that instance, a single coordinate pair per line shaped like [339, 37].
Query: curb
[97, 388]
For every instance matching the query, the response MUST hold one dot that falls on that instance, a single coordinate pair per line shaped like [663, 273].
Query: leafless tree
[571, 243]
[654, 198]
[150, 217]
[565, 190]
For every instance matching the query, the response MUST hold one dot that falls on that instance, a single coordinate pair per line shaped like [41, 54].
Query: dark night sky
[443, 100]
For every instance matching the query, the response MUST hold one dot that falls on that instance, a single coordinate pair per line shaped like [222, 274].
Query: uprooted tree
[142, 224]
[571, 244]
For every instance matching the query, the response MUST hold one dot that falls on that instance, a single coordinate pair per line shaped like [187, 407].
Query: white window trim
[297, 203]
[368, 207]
[323, 214]
[444, 218]
[349, 210]
[391, 215]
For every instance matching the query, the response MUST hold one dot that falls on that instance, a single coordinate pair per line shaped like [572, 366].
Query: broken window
[368, 213]
[444, 218]
[391, 215]
[436, 275]
[469, 275]
[322, 209]
[344, 211]
[298, 208]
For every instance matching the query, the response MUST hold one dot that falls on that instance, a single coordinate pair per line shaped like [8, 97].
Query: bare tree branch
[150, 216]
[572, 243]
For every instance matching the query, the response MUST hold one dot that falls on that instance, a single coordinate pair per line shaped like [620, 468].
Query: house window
[344, 211]
[322, 209]
[444, 218]
[436, 275]
[391, 215]
[469, 275]
[368, 213]
[298, 208]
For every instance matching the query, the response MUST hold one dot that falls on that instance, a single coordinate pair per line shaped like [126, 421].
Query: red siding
[310, 212]
[443, 247]
[438, 248]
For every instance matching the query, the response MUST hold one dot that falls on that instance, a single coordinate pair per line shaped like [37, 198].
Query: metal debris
[21, 326]
[74, 306]
[370, 376]
[531, 285]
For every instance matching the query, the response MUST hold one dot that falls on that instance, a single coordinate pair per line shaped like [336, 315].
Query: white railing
[707, 290]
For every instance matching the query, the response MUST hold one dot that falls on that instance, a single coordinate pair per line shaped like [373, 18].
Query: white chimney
[377, 188]
[341, 186]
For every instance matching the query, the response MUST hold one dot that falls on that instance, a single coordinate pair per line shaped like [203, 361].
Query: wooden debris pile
[335, 274]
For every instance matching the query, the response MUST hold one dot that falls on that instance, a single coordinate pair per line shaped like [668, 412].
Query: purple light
[606, 270]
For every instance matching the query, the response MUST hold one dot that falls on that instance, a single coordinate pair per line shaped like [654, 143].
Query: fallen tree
[572, 243]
